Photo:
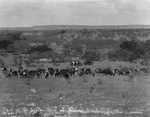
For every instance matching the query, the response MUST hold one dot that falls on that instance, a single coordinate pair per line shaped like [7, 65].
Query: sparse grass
[52, 93]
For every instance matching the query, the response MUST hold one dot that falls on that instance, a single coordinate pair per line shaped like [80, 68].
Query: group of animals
[39, 72]
[67, 72]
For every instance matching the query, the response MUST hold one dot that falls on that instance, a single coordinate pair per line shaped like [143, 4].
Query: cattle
[46, 75]
[85, 71]
[72, 63]
[66, 76]
[73, 71]
[106, 71]
[116, 71]
[41, 70]
[10, 72]
[4, 69]
[51, 71]
[24, 73]
[27, 74]
[124, 71]
[15, 73]
[54, 71]
[38, 75]
[80, 73]
[33, 73]
[75, 63]
[57, 74]
[67, 72]
[144, 70]
[30, 74]
[63, 71]
[98, 70]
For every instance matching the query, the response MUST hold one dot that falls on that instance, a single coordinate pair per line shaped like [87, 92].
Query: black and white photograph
[74, 58]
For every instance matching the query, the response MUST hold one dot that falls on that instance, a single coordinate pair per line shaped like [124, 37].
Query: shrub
[128, 45]
[122, 55]
[5, 43]
[42, 48]
[91, 56]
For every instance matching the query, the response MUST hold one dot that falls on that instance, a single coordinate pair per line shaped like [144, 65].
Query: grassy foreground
[110, 96]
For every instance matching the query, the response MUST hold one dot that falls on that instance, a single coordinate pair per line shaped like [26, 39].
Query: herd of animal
[67, 73]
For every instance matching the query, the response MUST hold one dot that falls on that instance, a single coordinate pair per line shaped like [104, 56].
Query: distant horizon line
[74, 25]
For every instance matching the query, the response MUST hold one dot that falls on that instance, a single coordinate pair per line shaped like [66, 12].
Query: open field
[114, 96]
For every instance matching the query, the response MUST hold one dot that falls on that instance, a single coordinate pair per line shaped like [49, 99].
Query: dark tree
[42, 48]
[129, 45]
[5, 43]
[91, 56]
[16, 36]
[62, 31]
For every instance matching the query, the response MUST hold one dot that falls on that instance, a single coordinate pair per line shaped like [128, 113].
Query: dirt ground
[87, 96]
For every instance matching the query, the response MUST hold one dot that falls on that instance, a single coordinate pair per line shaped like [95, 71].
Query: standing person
[76, 71]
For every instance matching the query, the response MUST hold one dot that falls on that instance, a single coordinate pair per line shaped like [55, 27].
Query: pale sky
[18, 13]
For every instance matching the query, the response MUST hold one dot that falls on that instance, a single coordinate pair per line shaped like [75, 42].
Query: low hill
[51, 27]
[56, 27]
